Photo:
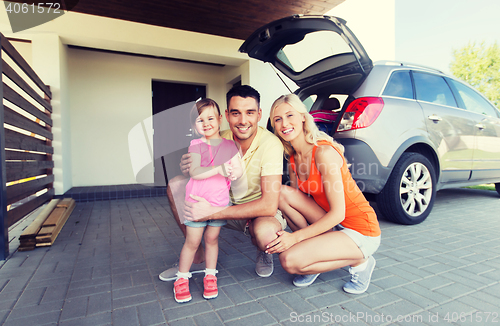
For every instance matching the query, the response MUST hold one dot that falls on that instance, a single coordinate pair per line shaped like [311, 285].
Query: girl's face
[208, 122]
[288, 122]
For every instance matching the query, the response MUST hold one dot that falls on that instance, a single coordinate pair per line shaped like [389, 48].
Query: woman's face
[207, 123]
[288, 122]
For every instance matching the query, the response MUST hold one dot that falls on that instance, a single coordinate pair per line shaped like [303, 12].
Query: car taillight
[361, 113]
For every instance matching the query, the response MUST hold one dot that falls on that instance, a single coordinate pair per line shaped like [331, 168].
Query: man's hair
[243, 91]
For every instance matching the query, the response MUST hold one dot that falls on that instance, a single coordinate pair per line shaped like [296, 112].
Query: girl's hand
[282, 243]
[229, 171]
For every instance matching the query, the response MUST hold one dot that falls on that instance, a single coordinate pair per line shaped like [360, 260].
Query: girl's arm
[198, 172]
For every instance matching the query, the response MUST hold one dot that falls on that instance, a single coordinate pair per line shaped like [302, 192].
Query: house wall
[49, 61]
[109, 95]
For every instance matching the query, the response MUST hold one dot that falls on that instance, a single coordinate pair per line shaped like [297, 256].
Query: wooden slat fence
[26, 150]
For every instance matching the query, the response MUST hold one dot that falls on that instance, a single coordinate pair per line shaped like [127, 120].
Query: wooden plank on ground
[35, 226]
[53, 218]
[48, 239]
[66, 202]
[27, 240]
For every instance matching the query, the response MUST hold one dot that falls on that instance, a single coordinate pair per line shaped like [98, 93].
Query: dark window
[433, 89]
[399, 85]
[473, 101]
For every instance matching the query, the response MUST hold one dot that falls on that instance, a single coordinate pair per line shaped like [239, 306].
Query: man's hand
[282, 243]
[185, 164]
[199, 211]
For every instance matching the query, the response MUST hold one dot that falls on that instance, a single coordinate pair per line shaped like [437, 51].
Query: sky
[427, 31]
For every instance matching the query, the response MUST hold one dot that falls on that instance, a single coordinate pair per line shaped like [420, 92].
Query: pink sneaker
[210, 287]
[181, 290]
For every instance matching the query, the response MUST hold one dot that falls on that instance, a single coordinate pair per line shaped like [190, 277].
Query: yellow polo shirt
[263, 158]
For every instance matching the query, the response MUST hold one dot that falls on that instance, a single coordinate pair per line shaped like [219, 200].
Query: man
[254, 196]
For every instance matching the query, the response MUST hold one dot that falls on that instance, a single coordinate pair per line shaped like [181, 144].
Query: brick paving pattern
[103, 270]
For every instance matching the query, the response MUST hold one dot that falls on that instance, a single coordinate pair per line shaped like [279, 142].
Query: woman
[334, 225]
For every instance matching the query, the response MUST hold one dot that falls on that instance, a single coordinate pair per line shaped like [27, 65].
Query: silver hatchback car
[408, 130]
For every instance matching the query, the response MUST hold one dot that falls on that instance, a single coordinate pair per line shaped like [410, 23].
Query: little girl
[216, 162]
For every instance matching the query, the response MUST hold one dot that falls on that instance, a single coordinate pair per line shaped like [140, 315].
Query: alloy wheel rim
[415, 189]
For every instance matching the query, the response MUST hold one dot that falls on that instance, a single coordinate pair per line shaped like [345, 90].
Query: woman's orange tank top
[359, 215]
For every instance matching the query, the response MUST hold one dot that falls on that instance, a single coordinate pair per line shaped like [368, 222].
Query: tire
[404, 200]
[497, 187]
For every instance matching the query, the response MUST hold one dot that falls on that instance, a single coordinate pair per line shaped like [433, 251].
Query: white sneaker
[360, 281]
[264, 266]
[304, 280]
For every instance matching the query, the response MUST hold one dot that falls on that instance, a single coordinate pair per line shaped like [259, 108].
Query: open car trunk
[311, 50]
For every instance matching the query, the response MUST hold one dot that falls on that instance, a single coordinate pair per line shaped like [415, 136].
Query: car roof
[408, 65]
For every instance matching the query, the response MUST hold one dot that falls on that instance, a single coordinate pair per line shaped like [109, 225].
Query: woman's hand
[282, 243]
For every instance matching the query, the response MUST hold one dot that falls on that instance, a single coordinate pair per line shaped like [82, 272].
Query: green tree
[479, 66]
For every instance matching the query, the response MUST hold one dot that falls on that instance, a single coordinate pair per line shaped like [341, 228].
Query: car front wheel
[408, 195]
[497, 187]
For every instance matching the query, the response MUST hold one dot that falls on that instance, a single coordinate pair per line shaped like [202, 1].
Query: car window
[308, 102]
[434, 89]
[399, 85]
[473, 101]
[299, 56]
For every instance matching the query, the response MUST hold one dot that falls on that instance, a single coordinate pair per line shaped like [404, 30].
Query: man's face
[243, 115]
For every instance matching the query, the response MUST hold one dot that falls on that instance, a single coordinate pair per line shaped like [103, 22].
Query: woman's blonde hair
[311, 131]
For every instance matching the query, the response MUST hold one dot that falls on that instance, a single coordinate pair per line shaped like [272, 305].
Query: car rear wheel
[497, 187]
[408, 195]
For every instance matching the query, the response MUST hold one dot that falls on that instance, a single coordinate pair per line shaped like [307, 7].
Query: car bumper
[366, 169]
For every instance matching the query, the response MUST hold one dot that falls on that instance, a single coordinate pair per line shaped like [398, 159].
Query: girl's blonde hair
[311, 131]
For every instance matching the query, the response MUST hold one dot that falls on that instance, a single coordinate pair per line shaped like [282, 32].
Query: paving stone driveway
[103, 269]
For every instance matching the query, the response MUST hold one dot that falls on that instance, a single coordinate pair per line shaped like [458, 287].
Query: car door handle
[480, 126]
[434, 118]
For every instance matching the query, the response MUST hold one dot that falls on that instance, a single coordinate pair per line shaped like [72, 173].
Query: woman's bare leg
[337, 251]
[299, 209]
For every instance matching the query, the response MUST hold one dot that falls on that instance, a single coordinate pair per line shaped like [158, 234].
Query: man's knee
[176, 184]
[263, 230]
[285, 194]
